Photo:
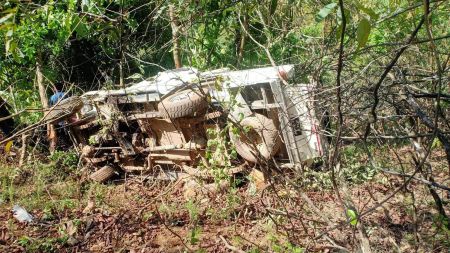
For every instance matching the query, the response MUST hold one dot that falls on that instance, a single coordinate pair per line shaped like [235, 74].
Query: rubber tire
[183, 104]
[66, 106]
[267, 145]
[103, 174]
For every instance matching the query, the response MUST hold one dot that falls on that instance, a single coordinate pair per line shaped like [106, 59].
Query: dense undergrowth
[380, 70]
[126, 214]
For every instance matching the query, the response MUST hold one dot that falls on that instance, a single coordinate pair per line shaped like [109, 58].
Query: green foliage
[194, 235]
[40, 186]
[210, 37]
[367, 10]
[352, 216]
[219, 153]
[280, 246]
[363, 32]
[436, 143]
[169, 210]
[66, 159]
[351, 170]
[325, 11]
[7, 176]
[193, 210]
[97, 192]
[47, 244]
[45, 28]
[65, 34]
[441, 223]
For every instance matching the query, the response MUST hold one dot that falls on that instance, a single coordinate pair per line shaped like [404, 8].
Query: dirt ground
[135, 215]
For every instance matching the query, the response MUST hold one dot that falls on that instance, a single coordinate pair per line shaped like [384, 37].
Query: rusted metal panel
[126, 124]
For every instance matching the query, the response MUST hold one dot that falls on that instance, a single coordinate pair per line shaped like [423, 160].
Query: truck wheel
[182, 104]
[262, 139]
[103, 174]
[66, 106]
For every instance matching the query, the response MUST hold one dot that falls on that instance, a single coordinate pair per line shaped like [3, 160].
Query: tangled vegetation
[381, 75]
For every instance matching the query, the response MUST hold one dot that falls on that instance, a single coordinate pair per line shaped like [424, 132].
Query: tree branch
[377, 86]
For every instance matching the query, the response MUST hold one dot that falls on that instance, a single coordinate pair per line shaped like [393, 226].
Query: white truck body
[258, 88]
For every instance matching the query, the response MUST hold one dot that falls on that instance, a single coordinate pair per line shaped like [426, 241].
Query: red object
[283, 75]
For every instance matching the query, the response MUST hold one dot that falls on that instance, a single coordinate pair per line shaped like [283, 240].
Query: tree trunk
[23, 150]
[51, 132]
[428, 122]
[121, 82]
[40, 82]
[242, 40]
[175, 35]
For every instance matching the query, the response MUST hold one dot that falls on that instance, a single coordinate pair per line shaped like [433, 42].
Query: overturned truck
[176, 118]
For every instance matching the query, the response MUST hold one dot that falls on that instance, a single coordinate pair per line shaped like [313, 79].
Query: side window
[296, 126]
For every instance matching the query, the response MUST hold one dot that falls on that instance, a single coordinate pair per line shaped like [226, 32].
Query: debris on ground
[21, 214]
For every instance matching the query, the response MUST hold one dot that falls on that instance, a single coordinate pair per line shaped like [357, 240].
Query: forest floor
[72, 214]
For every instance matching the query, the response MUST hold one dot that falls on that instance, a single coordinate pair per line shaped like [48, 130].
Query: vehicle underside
[204, 120]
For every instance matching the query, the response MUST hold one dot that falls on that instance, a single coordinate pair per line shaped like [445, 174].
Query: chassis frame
[137, 137]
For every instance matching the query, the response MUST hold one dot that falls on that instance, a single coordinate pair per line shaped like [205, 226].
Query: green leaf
[273, 6]
[325, 11]
[135, 76]
[363, 32]
[7, 46]
[133, 24]
[367, 10]
[6, 26]
[241, 116]
[351, 214]
[12, 46]
[436, 143]
[82, 30]
[17, 54]
[195, 233]
[12, 10]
